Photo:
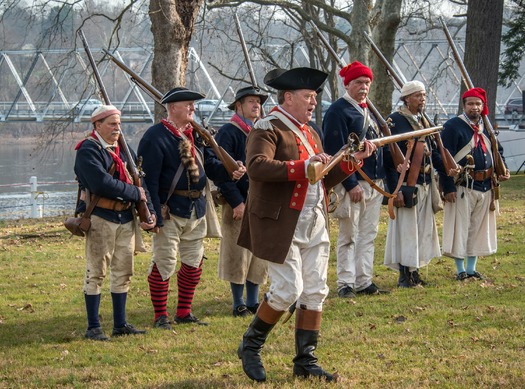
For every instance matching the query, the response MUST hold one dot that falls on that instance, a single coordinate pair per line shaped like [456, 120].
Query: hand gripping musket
[136, 173]
[397, 155]
[451, 166]
[228, 162]
[317, 170]
[499, 165]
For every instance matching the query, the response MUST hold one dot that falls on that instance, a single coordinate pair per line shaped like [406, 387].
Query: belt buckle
[193, 193]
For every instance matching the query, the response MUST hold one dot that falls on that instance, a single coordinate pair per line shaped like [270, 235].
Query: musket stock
[499, 165]
[142, 206]
[228, 162]
[317, 170]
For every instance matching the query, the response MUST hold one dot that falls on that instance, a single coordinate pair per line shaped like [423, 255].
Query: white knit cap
[103, 112]
[412, 87]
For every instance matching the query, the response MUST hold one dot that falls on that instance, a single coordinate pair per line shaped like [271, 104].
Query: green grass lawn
[447, 334]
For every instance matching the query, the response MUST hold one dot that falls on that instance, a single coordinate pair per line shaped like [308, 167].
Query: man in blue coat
[359, 207]
[174, 163]
[100, 166]
[469, 220]
[238, 265]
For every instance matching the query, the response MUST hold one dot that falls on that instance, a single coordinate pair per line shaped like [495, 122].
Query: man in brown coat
[285, 220]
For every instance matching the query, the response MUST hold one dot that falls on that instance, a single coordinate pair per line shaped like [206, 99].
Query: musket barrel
[317, 170]
[499, 164]
[406, 136]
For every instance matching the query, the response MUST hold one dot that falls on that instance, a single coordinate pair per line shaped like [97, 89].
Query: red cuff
[296, 170]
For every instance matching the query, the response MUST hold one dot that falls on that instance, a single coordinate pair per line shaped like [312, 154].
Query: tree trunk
[172, 23]
[384, 35]
[482, 47]
[359, 19]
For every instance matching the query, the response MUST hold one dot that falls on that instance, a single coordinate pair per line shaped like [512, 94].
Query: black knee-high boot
[249, 350]
[307, 325]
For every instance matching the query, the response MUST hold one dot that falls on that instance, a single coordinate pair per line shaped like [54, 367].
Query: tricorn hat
[248, 91]
[294, 79]
[181, 94]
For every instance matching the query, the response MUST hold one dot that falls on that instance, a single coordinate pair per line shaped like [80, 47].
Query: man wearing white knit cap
[412, 238]
[101, 170]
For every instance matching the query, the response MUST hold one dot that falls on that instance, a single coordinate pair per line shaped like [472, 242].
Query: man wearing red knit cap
[469, 219]
[359, 205]
[100, 167]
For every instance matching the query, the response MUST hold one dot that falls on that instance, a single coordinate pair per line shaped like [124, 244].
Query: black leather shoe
[163, 323]
[241, 311]
[189, 319]
[253, 308]
[373, 289]
[128, 329]
[96, 334]
[462, 276]
[346, 292]
[476, 275]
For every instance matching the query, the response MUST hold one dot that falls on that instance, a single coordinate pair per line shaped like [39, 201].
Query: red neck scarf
[187, 130]
[120, 167]
[242, 123]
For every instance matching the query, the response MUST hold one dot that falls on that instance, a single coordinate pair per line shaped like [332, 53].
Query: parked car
[87, 106]
[514, 105]
[205, 107]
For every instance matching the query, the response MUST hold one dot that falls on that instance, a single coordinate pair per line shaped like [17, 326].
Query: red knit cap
[480, 94]
[355, 70]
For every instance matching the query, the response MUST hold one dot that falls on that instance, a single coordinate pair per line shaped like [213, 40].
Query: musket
[397, 155]
[228, 162]
[317, 170]
[136, 173]
[245, 50]
[499, 165]
[450, 164]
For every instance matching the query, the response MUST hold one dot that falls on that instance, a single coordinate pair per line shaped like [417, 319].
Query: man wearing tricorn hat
[100, 167]
[412, 239]
[285, 221]
[238, 265]
[359, 207]
[469, 220]
[175, 175]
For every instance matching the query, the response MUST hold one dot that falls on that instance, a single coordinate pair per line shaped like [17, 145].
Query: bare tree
[172, 23]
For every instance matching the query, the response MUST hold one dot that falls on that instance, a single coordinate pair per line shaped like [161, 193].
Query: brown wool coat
[269, 223]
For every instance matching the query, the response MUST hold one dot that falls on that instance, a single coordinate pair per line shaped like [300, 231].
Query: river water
[56, 186]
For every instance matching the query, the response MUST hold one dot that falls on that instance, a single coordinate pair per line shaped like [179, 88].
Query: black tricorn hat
[294, 79]
[248, 91]
[181, 94]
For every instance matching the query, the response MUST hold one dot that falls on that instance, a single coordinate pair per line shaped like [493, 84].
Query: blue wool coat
[341, 119]
[233, 141]
[401, 125]
[159, 149]
[456, 134]
[92, 165]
